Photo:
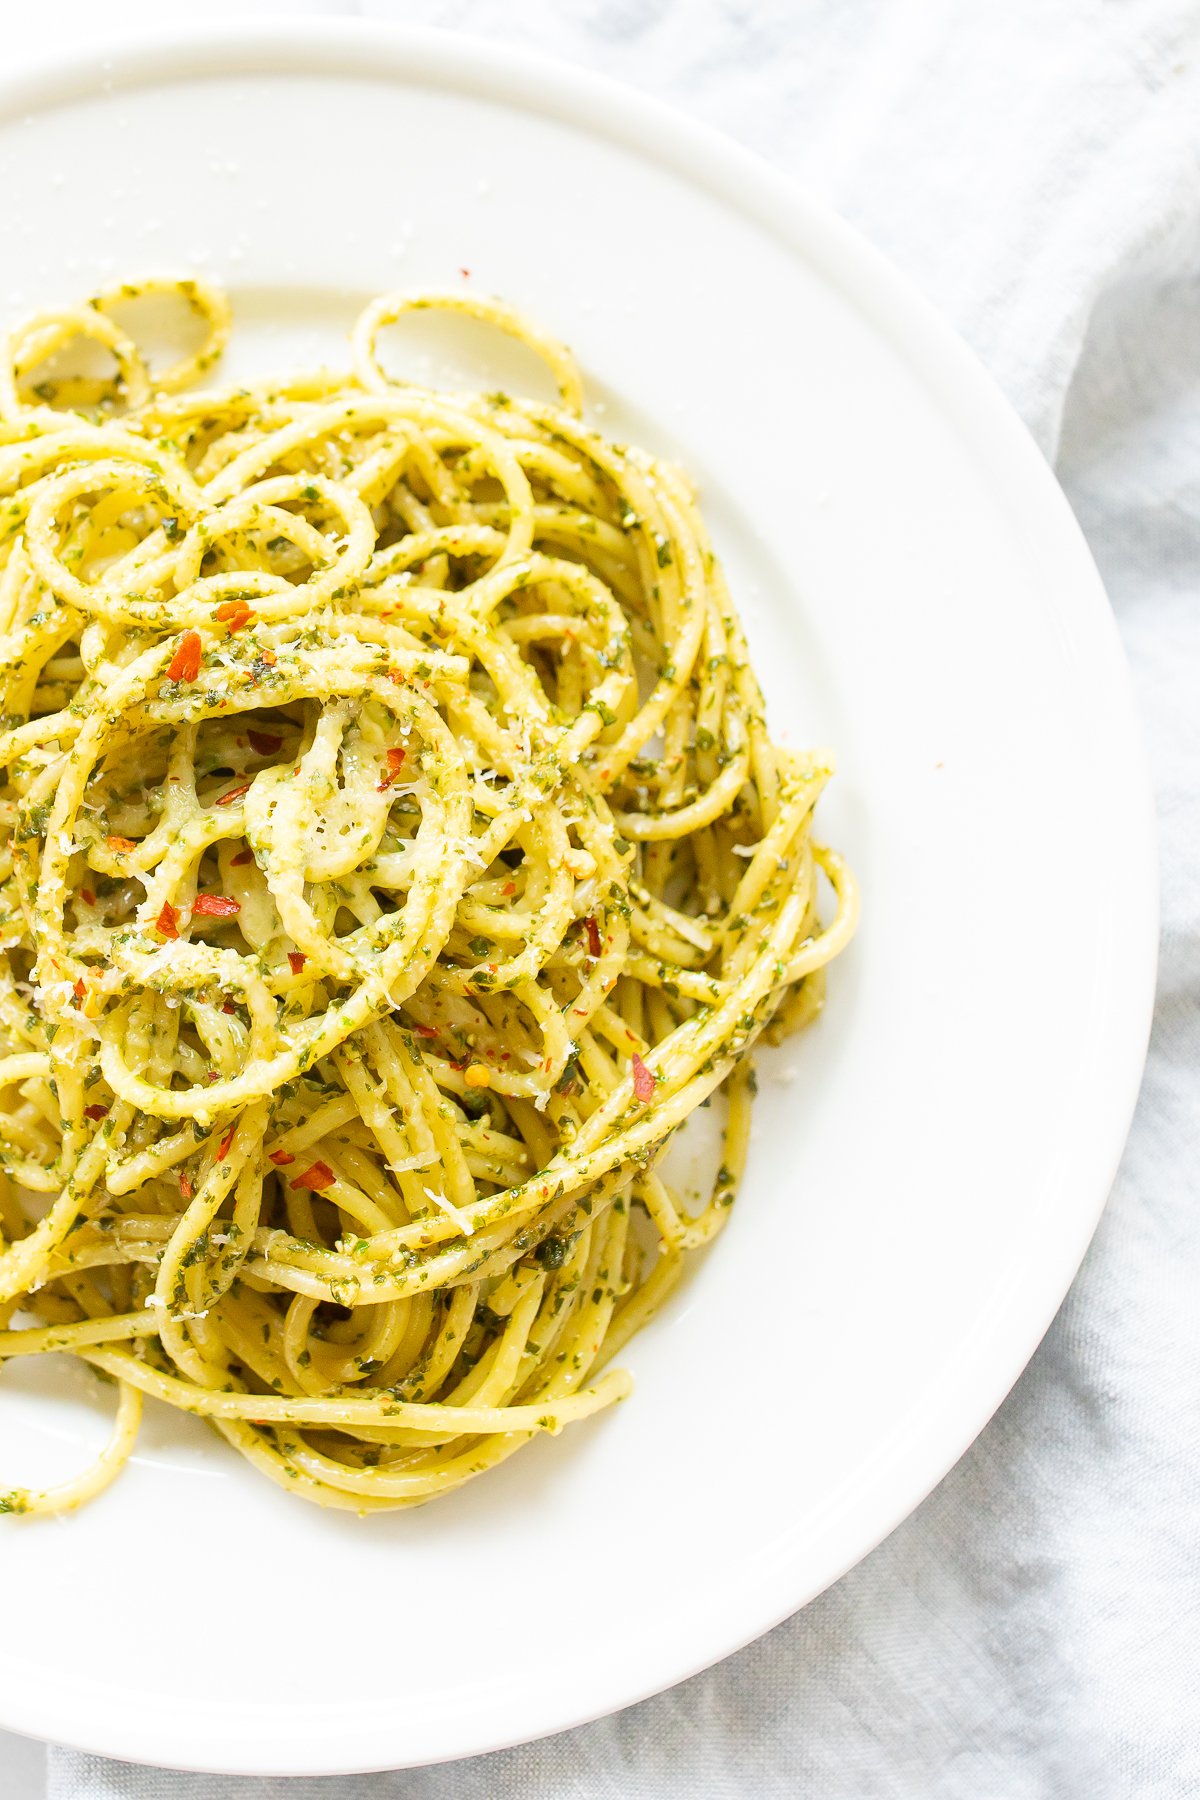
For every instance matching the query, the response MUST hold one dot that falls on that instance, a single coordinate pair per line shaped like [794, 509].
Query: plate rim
[966, 392]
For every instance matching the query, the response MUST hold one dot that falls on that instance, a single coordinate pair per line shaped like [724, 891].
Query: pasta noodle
[394, 857]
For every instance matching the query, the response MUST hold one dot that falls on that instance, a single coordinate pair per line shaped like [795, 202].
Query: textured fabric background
[1033, 1632]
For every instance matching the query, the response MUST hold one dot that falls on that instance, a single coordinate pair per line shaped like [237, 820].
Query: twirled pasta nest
[394, 857]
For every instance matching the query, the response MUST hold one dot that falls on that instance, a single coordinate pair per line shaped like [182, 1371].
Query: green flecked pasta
[394, 856]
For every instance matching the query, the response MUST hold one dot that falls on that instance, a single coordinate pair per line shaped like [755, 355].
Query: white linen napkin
[1031, 1633]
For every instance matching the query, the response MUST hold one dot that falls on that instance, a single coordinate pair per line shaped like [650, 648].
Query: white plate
[920, 1193]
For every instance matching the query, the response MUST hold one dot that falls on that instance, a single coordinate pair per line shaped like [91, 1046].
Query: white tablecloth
[1031, 1633]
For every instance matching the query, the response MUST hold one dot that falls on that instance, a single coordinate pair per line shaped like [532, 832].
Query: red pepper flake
[269, 657]
[87, 896]
[185, 1186]
[216, 906]
[425, 1031]
[595, 946]
[510, 887]
[185, 664]
[234, 613]
[281, 1158]
[166, 922]
[465, 273]
[223, 1146]
[395, 762]
[233, 794]
[318, 1178]
[296, 961]
[241, 859]
[95, 1112]
[644, 1083]
[228, 1007]
[80, 989]
[263, 742]
[120, 846]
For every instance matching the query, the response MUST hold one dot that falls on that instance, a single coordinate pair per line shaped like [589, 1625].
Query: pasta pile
[394, 857]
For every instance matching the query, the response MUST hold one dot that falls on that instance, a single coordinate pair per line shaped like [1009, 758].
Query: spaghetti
[394, 858]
